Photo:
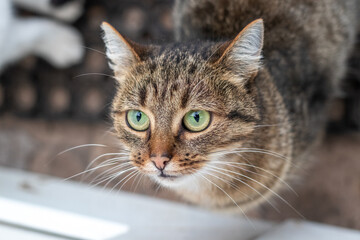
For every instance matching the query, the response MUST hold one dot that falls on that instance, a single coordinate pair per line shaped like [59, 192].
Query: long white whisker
[115, 168]
[261, 184]
[238, 179]
[252, 224]
[103, 155]
[136, 174]
[234, 164]
[123, 179]
[95, 50]
[92, 169]
[81, 146]
[244, 169]
[230, 183]
[113, 176]
[98, 74]
[103, 173]
[141, 177]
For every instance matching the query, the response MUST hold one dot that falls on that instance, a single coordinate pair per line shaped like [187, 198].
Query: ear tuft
[244, 51]
[249, 42]
[119, 51]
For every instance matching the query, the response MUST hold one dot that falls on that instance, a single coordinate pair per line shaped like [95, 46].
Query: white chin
[171, 182]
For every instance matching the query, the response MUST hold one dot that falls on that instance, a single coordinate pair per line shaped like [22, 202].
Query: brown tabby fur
[280, 107]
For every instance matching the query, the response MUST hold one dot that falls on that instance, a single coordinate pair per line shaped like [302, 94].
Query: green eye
[138, 120]
[196, 120]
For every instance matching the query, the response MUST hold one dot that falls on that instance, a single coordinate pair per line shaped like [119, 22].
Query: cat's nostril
[160, 162]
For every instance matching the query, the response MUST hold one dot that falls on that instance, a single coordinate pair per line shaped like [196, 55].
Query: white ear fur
[244, 52]
[118, 50]
[249, 43]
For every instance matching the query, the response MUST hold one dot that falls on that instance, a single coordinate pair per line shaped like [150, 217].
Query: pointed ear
[122, 53]
[243, 53]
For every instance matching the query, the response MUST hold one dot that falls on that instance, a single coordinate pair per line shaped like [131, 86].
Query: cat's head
[179, 106]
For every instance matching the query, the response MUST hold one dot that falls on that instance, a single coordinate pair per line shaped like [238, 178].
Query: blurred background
[57, 100]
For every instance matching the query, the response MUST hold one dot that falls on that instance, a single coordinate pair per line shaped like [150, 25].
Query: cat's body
[265, 115]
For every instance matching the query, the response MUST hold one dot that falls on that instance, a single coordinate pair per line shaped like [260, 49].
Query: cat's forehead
[174, 78]
[169, 87]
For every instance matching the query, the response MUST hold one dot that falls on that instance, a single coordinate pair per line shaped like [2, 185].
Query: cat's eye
[196, 120]
[138, 120]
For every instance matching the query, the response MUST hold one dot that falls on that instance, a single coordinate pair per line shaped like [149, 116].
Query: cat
[224, 115]
[57, 43]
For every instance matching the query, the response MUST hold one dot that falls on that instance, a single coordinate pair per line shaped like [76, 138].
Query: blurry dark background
[44, 110]
[33, 88]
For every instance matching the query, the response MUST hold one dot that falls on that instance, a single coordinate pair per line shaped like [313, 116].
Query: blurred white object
[57, 222]
[67, 11]
[144, 217]
[57, 43]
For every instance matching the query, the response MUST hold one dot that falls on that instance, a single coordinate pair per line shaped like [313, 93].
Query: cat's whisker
[235, 164]
[91, 74]
[244, 169]
[103, 155]
[81, 146]
[261, 184]
[141, 175]
[103, 174]
[117, 160]
[95, 50]
[128, 177]
[213, 168]
[137, 173]
[253, 150]
[157, 188]
[112, 177]
[265, 150]
[279, 157]
[242, 211]
[88, 170]
[230, 183]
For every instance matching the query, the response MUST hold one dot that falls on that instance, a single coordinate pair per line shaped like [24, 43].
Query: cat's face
[172, 114]
[179, 106]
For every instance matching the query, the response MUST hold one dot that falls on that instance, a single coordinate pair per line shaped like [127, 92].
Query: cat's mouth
[169, 180]
[163, 175]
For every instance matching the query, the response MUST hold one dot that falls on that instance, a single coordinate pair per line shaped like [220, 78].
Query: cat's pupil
[138, 116]
[196, 116]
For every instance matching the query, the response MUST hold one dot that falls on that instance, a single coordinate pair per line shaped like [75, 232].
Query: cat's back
[218, 19]
[322, 32]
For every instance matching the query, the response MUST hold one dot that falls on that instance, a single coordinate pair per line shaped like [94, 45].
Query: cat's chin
[171, 181]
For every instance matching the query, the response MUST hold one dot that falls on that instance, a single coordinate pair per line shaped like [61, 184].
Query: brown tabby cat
[222, 117]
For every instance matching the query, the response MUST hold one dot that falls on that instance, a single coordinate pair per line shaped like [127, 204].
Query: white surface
[57, 222]
[296, 230]
[13, 233]
[147, 218]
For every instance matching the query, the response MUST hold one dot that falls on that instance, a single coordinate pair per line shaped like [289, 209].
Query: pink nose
[160, 161]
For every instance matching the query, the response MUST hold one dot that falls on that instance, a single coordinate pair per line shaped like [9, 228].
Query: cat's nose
[160, 161]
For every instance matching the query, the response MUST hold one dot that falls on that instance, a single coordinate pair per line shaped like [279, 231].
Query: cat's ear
[122, 53]
[243, 53]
